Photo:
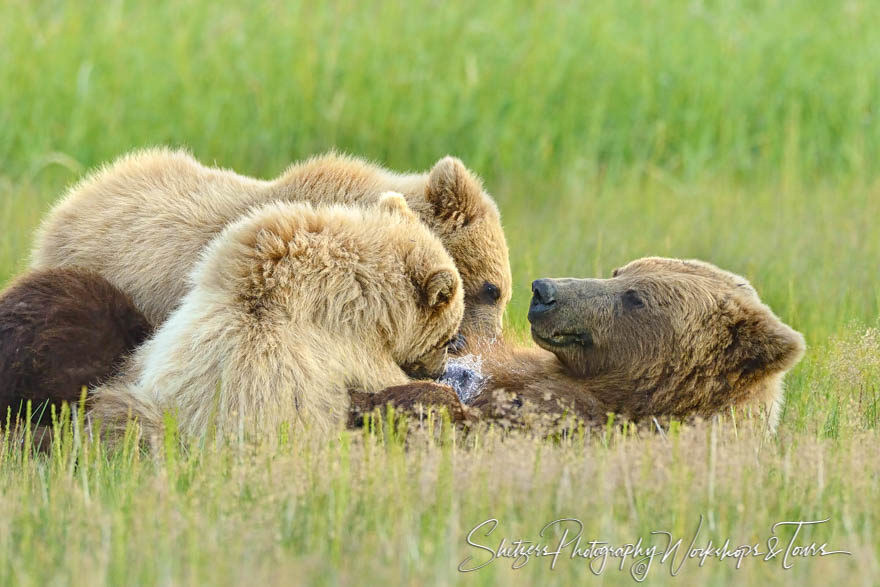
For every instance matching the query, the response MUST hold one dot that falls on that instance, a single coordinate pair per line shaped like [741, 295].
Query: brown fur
[142, 222]
[61, 330]
[663, 337]
[411, 398]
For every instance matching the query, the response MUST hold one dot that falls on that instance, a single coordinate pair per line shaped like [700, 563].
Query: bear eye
[632, 300]
[615, 272]
[490, 293]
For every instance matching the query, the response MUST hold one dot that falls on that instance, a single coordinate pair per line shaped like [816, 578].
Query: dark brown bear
[60, 330]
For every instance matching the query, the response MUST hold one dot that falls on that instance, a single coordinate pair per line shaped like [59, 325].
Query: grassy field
[743, 133]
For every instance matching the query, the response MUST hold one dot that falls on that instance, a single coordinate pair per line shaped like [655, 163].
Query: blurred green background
[743, 133]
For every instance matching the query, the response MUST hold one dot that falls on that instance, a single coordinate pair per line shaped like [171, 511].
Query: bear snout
[421, 371]
[543, 298]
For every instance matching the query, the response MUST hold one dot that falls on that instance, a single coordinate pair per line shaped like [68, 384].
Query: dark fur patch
[60, 330]
[409, 398]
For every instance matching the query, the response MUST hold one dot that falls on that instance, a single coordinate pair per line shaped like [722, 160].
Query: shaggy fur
[662, 337]
[142, 221]
[288, 309]
[61, 330]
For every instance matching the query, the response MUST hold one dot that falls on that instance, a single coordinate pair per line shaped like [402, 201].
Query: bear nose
[543, 297]
[543, 292]
[419, 370]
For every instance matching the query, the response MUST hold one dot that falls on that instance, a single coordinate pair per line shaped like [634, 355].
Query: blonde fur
[289, 308]
[142, 221]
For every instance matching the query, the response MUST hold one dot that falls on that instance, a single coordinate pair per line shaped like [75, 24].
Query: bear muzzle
[419, 370]
[550, 314]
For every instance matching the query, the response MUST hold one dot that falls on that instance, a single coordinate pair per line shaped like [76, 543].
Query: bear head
[374, 277]
[667, 336]
[467, 220]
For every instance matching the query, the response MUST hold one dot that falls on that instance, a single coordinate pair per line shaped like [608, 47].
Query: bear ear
[454, 193]
[439, 288]
[761, 344]
[395, 203]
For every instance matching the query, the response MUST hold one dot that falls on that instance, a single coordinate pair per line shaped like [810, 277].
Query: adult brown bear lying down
[662, 337]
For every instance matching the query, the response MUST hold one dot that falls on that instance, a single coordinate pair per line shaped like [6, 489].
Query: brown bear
[662, 337]
[142, 222]
[61, 330]
[290, 307]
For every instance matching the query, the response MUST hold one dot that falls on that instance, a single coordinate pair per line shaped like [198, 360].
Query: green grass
[743, 133]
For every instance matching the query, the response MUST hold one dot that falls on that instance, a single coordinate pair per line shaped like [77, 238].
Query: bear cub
[61, 330]
[291, 308]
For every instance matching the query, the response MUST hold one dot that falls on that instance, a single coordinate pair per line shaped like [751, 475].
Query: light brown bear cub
[289, 309]
[142, 221]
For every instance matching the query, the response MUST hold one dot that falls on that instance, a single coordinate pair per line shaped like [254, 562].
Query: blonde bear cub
[288, 309]
[141, 222]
